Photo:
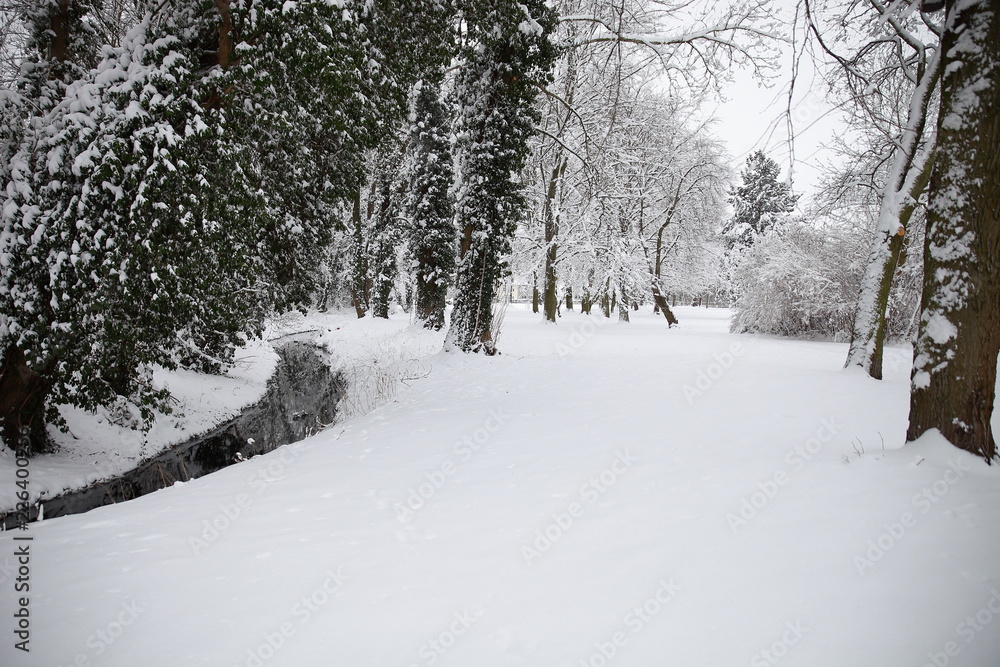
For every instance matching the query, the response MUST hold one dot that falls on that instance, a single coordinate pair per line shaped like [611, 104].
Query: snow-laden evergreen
[429, 174]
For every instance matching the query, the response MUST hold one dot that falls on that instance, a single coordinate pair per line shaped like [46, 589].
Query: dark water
[301, 398]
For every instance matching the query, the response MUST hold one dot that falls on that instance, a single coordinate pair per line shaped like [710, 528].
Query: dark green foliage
[162, 203]
[433, 238]
[509, 54]
[758, 202]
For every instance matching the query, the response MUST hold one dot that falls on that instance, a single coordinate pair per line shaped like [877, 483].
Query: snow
[97, 447]
[578, 450]
[376, 357]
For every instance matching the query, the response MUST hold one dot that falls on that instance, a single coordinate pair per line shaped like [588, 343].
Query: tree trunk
[60, 26]
[22, 404]
[534, 292]
[662, 304]
[623, 309]
[225, 33]
[551, 232]
[569, 298]
[359, 279]
[384, 255]
[955, 364]
[907, 179]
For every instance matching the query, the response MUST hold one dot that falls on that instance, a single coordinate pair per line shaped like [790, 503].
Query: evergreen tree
[758, 203]
[508, 55]
[432, 237]
[385, 229]
[159, 205]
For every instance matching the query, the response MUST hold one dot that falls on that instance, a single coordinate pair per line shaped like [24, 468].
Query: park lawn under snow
[581, 499]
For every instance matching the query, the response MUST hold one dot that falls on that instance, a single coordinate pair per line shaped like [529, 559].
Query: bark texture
[954, 370]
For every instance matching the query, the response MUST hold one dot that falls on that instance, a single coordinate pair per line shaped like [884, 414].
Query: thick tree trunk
[22, 404]
[955, 364]
[225, 33]
[623, 309]
[569, 298]
[907, 179]
[431, 292]
[60, 26]
[663, 306]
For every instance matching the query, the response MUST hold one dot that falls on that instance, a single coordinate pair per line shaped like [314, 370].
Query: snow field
[571, 502]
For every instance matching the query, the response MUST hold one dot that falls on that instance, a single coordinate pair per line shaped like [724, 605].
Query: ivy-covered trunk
[955, 365]
[508, 57]
[906, 182]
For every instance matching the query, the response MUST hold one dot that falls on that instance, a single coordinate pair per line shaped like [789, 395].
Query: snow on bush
[802, 280]
[797, 281]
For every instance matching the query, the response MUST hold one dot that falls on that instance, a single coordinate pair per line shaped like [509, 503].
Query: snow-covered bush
[798, 281]
[801, 280]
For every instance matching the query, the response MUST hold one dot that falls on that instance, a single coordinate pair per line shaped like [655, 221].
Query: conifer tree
[508, 55]
[433, 238]
[758, 202]
[161, 203]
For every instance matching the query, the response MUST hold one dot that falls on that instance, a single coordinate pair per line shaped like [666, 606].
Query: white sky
[754, 118]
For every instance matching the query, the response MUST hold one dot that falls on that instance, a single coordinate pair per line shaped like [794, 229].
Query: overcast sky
[754, 118]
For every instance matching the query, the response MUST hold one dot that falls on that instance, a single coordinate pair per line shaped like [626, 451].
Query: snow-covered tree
[955, 365]
[759, 203]
[432, 235]
[508, 55]
[159, 204]
[883, 70]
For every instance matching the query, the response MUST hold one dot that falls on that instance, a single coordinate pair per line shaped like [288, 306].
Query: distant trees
[759, 203]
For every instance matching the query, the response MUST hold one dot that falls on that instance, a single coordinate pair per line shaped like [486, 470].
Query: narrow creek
[301, 398]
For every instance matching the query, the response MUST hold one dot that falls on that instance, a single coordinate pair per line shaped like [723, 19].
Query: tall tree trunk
[384, 249]
[569, 298]
[551, 245]
[60, 26]
[359, 272]
[955, 364]
[534, 292]
[907, 180]
[22, 403]
[225, 33]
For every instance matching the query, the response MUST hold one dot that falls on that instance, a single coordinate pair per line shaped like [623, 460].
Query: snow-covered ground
[614, 495]
[376, 356]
